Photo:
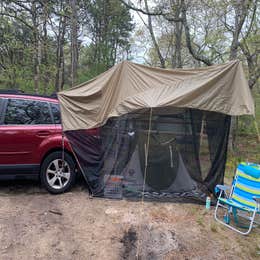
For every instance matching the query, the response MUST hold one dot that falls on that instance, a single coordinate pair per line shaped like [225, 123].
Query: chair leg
[252, 222]
[256, 222]
[231, 227]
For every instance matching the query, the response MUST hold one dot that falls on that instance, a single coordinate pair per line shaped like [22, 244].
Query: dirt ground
[37, 225]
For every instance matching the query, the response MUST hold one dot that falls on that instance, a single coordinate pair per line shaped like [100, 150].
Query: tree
[109, 23]
[27, 12]
[15, 52]
[59, 23]
[43, 42]
[155, 44]
[74, 41]
[208, 27]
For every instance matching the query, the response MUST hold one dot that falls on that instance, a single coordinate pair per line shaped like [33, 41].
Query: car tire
[53, 178]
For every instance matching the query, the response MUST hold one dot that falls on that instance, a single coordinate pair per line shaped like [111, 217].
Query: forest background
[48, 45]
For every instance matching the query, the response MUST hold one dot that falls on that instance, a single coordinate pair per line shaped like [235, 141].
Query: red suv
[31, 141]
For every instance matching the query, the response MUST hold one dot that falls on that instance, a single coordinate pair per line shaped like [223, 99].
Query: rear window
[55, 109]
[27, 112]
[1, 110]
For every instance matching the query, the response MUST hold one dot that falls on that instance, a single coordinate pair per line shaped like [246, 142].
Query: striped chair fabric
[246, 185]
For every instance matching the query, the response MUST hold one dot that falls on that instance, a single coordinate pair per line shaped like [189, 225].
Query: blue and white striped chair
[244, 197]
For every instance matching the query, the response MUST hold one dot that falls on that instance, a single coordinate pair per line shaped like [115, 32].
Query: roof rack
[20, 92]
[11, 91]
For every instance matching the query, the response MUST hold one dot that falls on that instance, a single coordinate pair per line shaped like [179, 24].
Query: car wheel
[57, 177]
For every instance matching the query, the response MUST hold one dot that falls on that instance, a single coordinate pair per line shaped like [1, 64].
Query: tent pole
[202, 128]
[144, 180]
[63, 148]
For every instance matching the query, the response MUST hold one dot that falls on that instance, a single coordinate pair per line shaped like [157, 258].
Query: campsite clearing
[36, 225]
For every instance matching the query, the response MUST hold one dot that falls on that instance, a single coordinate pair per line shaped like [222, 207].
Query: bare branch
[156, 46]
[132, 7]
[167, 16]
[142, 20]
[252, 20]
[17, 18]
[194, 54]
[254, 70]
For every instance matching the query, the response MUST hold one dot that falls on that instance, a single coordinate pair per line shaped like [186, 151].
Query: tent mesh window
[163, 153]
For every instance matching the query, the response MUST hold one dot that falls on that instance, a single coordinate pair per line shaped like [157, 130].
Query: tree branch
[156, 46]
[252, 81]
[132, 7]
[167, 16]
[252, 20]
[17, 18]
[194, 54]
[254, 70]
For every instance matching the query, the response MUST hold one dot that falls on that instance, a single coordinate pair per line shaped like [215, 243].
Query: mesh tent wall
[163, 133]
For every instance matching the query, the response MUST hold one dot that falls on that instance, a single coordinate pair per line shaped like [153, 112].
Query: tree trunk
[36, 68]
[46, 77]
[241, 8]
[194, 54]
[150, 28]
[177, 59]
[59, 79]
[74, 42]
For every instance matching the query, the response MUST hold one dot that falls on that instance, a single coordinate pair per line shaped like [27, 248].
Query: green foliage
[246, 124]
[247, 147]
[93, 71]
[107, 24]
[111, 24]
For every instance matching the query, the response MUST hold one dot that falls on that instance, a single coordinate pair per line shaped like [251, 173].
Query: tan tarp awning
[128, 87]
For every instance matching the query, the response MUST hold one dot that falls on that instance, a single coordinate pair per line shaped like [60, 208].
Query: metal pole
[145, 174]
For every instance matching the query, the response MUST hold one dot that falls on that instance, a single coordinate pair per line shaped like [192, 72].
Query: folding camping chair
[244, 198]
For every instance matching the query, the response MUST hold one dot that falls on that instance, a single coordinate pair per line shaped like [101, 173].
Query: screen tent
[163, 134]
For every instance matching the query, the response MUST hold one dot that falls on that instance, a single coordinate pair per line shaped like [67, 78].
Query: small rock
[111, 211]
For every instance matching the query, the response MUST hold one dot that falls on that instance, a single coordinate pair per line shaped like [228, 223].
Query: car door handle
[43, 133]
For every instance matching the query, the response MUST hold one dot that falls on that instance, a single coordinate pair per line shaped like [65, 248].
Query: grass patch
[193, 210]
[213, 227]
[200, 220]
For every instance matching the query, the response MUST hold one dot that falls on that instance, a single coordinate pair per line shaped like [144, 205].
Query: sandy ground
[37, 225]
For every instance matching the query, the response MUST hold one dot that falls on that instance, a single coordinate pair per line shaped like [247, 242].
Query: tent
[163, 133]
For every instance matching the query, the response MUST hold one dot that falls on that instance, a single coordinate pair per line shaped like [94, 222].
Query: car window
[27, 112]
[55, 108]
[1, 110]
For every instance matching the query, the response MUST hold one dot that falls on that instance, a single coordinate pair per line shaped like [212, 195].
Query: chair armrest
[223, 187]
[256, 199]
